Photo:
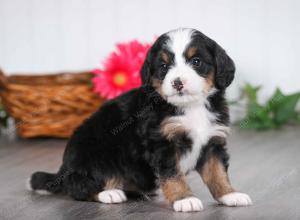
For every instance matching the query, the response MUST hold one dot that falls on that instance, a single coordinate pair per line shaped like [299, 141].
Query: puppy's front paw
[190, 204]
[112, 196]
[235, 199]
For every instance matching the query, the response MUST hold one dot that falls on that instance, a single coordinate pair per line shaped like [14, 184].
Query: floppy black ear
[225, 68]
[145, 72]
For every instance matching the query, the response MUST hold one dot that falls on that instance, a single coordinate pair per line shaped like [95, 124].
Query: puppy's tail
[44, 183]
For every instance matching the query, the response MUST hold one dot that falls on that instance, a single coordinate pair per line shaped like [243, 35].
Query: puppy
[152, 136]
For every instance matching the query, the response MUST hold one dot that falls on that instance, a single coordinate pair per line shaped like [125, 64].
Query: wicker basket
[48, 105]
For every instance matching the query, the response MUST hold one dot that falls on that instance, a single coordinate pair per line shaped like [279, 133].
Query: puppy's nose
[177, 84]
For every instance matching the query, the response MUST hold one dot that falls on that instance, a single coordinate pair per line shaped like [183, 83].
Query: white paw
[112, 196]
[28, 184]
[235, 199]
[191, 204]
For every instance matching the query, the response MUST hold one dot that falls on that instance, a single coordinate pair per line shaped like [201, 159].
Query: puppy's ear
[225, 68]
[145, 72]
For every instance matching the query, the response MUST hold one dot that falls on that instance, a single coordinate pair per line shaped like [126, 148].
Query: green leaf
[275, 100]
[277, 111]
[285, 110]
[257, 118]
[251, 92]
[251, 123]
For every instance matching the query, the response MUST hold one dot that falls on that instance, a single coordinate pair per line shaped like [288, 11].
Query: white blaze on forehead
[178, 42]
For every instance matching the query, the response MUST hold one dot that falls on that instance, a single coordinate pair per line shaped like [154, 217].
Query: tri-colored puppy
[152, 136]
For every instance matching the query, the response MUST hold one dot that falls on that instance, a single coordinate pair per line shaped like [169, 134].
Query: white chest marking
[202, 126]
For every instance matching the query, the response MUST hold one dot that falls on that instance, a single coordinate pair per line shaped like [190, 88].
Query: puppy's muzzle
[177, 84]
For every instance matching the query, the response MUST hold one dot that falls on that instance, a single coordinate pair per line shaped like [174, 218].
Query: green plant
[278, 110]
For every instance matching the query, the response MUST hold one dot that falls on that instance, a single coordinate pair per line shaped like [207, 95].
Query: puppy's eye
[164, 68]
[196, 61]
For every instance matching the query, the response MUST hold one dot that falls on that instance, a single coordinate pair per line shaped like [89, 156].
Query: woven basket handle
[3, 80]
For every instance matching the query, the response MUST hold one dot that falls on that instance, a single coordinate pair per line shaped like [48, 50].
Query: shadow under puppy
[152, 136]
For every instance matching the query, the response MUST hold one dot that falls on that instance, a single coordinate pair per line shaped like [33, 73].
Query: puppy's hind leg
[112, 192]
[80, 186]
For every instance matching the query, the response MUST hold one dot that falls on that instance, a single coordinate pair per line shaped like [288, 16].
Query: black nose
[177, 84]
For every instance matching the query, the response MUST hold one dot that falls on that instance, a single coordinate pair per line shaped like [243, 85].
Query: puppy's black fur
[123, 139]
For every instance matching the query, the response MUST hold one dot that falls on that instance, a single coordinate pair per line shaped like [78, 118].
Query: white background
[262, 36]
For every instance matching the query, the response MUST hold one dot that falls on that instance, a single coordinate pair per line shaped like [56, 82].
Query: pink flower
[120, 71]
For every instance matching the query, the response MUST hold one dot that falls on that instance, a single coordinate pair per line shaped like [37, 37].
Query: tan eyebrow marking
[191, 52]
[165, 57]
